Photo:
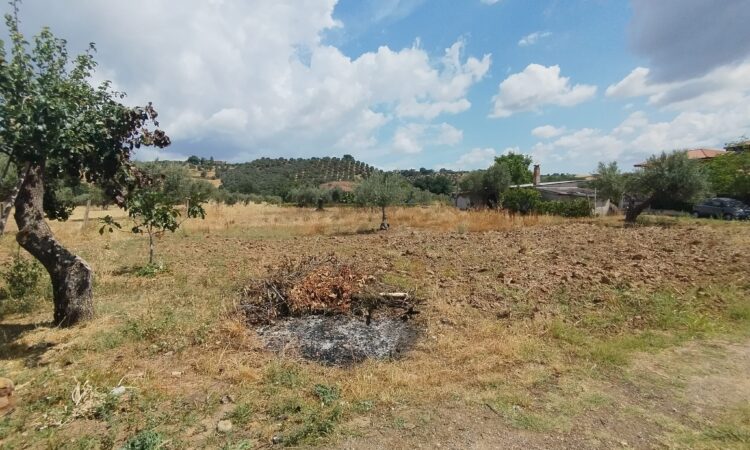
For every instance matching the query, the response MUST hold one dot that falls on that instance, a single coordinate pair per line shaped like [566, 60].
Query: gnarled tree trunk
[634, 211]
[384, 223]
[71, 276]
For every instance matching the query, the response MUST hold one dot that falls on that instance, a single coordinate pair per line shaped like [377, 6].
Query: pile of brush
[320, 286]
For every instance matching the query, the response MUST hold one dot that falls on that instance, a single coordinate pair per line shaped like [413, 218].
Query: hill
[276, 176]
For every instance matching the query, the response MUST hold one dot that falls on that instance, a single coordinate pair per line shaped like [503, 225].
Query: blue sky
[424, 83]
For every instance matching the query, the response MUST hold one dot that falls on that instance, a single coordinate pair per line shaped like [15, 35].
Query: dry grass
[174, 341]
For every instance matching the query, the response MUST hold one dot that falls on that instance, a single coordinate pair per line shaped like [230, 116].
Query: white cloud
[239, 78]
[535, 87]
[715, 90]
[633, 85]
[638, 137]
[547, 131]
[477, 158]
[533, 38]
[490, 2]
[413, 137]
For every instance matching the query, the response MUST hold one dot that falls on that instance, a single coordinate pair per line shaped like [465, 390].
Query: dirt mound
[328, 311]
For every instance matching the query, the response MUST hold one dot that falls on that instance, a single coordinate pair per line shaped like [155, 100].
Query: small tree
[609, 182]
[381, 189]
[522, 200]
[154, 214]
[488, 184]
[665, 177]
[518, 167]
[57, 129]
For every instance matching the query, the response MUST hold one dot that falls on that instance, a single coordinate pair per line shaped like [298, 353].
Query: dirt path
[666, 400]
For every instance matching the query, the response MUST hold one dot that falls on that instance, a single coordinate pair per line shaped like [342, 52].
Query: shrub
[145, 440]
[575, 208]
[22, 277]
[523, 200]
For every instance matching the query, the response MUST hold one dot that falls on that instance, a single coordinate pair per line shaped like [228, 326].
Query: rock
[7, 400]
[176, 374]
[6, 387]
[224, 426]
[117, 391]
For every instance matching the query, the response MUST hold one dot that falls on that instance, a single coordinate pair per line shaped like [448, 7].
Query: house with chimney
[554, 190]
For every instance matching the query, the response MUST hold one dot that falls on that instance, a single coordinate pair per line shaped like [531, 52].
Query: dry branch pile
[318, 286]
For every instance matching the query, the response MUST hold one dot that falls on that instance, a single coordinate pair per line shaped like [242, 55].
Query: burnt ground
[341, 340]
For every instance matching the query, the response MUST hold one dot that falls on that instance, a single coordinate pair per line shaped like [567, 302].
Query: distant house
[698, 154]
[572, 190]
[553, 190]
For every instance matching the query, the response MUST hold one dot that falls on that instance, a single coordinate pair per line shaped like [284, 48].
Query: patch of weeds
[150, 328]
[616, 351]
[326, 394]
[734, 428]
[534, 351]
[243, 445]
[108, 340]
[145, 440]
[283, 408]
[107, 408]
[150, 270]
[596, 400]
[285, 375]
[399, 423]
[739, 312]
[519, 417]
[241, 415]
[566, 333]
[363, 406]
[315, 426]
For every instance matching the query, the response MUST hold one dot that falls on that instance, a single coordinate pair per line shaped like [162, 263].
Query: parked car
[722, 208]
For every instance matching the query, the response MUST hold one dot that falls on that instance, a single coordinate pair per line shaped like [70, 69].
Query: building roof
[573, 191]
[697, 153]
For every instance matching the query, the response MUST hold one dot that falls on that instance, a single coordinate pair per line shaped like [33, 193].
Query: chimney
[537, 175]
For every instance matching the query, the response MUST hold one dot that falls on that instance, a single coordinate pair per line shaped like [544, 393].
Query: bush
[523, 200]
[22, 278]
[575, 208]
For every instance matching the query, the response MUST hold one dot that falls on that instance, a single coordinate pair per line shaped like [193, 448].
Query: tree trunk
[71, 276]
[150, 248]
[384, 223]
[6, 207]
[86, 215]
[634, 211]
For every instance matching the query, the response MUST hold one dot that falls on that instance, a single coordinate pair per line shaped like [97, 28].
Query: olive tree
[609, 182]
[381, 189]
[58, 129]
[669, 176]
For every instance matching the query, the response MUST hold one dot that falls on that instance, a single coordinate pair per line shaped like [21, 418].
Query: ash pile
[325, 310]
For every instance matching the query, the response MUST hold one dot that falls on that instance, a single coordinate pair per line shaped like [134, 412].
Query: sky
[423, 83]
